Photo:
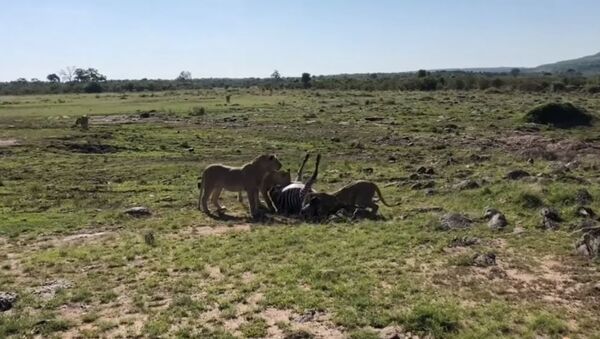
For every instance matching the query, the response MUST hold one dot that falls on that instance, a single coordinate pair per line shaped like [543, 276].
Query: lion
[359, 195]
[217, 177]
[271, 179]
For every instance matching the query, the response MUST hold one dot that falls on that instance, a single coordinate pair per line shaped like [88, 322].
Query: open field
[82, 268]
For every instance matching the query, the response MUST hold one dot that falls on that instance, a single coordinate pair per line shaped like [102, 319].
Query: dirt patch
[8, 142]
[538, 147]
[144, 117]
[73, 239]
[205, 231]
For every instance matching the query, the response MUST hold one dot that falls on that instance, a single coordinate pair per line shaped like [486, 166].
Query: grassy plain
[81, 268]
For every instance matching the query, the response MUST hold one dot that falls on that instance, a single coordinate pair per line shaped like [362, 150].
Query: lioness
[218, 177]
[359, 194]
[270, 180]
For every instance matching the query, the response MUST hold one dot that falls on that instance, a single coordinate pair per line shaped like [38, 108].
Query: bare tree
[184, 76]
[68, 73]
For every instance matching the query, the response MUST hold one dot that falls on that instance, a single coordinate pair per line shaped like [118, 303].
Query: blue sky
[238, 38]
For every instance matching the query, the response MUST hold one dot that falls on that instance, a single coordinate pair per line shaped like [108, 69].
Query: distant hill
[587, 65]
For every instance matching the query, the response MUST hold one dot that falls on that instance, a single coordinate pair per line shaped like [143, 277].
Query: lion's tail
[381, 197]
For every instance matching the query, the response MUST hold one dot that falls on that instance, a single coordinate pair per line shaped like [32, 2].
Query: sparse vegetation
[81, 266]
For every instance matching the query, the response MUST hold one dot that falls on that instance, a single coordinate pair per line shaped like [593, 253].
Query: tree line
[90, 80]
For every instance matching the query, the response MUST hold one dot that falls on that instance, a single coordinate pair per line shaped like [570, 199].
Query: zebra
[289, 200]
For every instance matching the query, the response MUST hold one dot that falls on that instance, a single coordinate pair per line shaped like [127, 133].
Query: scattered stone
[426, 170]
[517, 174]
[7, 300]
[451, 221]
[392, 159]
[466, 184]
[464, 241]
[498, 222]
[589, 243]
[550, 219]
[145, 115]
[49, 289]
[484, 259]
[335, 139]
[374, 118]
[309, 116]
[138, 211]
[583, 197]
[368, 170]
[430, 192]
[585, 212]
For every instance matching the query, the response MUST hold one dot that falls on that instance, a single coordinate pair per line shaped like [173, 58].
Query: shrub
[93, 87]
[438, 320]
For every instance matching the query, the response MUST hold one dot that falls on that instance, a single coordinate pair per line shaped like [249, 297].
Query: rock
[497, 222]
[484, 259]
[589, 243]
[583, 197]
[374, 118]
[138, 211]
[550, 219]
[585, 212]
[550, 213]
[451, 221]
[145, 115]
[489, 213]
[430, 192]
[426, 170]
[466, 184]
[517, 174]
[7, 300]
[368, 170]
[335, 139]
[464, 241]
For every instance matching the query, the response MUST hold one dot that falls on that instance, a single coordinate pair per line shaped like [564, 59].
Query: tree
[184, 76]
[53, 77]
[67, 73]
[515, 72]
[87, 75]
[275, 75]
[421, 73]
[306, 80]
[81, 75]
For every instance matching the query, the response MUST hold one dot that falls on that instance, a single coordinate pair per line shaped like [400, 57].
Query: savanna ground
[82, 268]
